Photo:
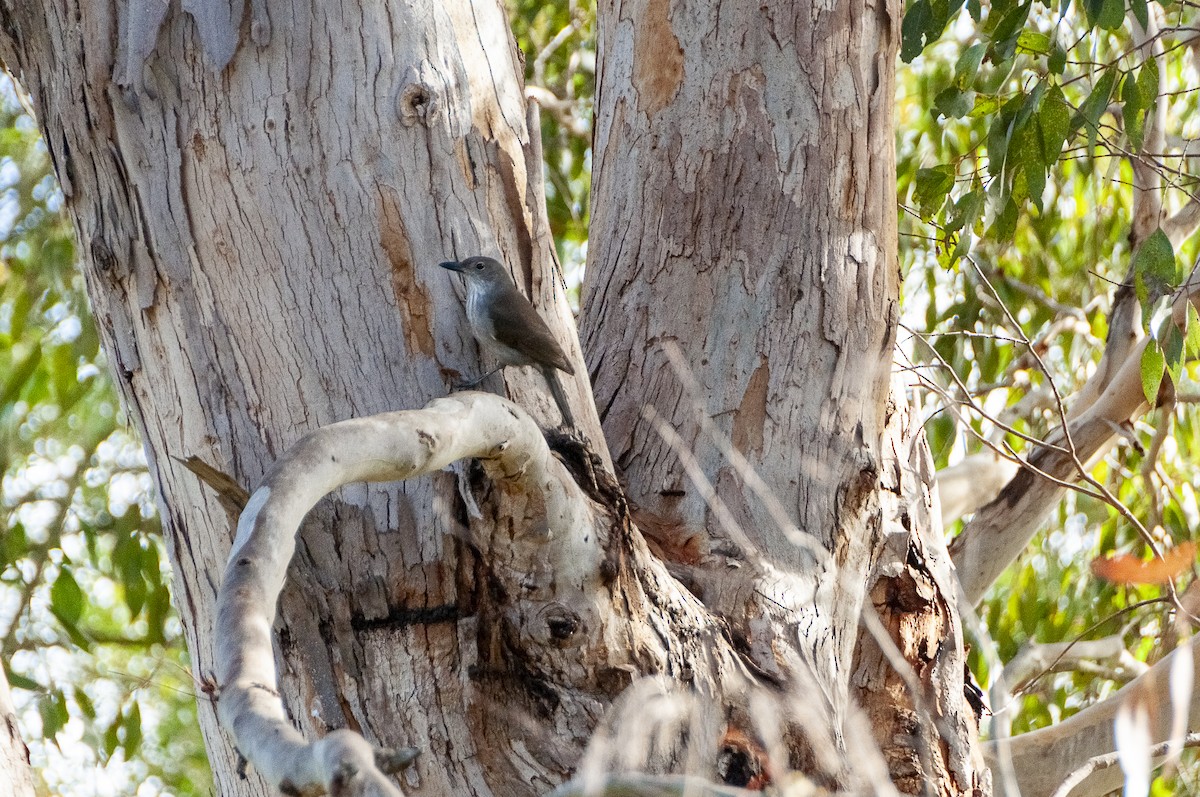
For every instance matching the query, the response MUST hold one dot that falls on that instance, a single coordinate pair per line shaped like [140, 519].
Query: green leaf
[1035, 179]
[151, 564]
[1054, 125]
[1141, 11]
[20, 375]
[85, 703]
[1004, 38]
[14, 544]
[111, 741]
[64, 370]
[66, 598]
[1146, 89]
[954, 103]
[1155, 270]
[915, 30]
[1108, 14]
[932, 186]
[1033, 42]
[1192, 338]
[999, 134]
[985, 105]
[18, 681]
[127, 556]
[1096, 103]
[1005, 224]
[158, 608]
[1147, 81]
[968, 64]
[996, 11]
[1173, 353]
[1031, 103]
[962, 246]
[52, 708]
[1138, 96]
[1112, 14]
[1153, 366]
[990, 81]
[923, 24]
[967, 211]
[1058, 60]
[133, 730]
[135, 593]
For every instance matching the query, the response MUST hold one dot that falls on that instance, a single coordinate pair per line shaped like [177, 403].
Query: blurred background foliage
[1014, 124]
[559, 42]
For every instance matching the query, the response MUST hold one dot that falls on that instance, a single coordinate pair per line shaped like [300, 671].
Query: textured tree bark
[16, 776]
[744, 211]
[261, 244]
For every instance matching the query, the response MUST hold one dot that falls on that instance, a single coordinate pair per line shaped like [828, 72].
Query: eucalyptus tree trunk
[744, 210]
[262, 196]
[16, 777]
[260, 240]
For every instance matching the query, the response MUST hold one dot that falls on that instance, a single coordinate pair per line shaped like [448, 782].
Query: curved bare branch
[969, 484]
[1035, 658]
[388, 447]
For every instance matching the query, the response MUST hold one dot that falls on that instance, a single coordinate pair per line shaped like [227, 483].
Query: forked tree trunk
[261, 208]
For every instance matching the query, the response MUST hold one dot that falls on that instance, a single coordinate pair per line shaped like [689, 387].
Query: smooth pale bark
[744, 212]
[1042, 759]
[972, 482]
[16, 776]
[260, 244]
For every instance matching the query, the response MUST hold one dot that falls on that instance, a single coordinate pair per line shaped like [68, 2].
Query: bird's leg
[474, 382]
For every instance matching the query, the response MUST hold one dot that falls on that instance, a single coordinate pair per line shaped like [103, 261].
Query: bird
[506, 325]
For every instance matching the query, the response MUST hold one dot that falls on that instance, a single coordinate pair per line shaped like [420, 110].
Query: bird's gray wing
[518, 326]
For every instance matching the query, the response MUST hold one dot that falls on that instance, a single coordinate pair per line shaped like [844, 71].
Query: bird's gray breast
[483, 326]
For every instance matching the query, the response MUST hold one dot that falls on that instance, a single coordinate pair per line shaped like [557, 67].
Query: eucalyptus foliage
[1017, 124]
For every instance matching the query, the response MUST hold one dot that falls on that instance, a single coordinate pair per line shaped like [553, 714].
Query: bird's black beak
[452, 265]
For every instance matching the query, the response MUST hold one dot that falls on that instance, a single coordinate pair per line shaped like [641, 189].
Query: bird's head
[481, 271]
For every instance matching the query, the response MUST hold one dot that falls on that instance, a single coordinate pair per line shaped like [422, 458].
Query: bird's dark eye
[479, 266]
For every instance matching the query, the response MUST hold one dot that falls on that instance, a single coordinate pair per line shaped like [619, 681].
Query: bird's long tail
[560, 398]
